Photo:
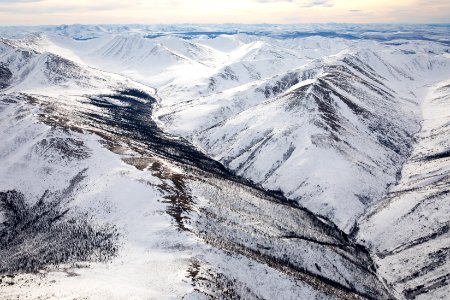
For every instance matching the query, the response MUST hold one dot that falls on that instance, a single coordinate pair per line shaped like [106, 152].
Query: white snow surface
[249, 102]
[345, 127]
[154, 255]
[409, 229]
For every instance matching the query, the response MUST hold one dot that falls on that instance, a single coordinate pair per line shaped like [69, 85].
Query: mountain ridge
[356, 111]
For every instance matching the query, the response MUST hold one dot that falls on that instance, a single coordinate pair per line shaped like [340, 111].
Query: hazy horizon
[224, 23]
[53, 12]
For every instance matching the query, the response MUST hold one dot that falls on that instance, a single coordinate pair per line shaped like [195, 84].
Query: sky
[55, 12]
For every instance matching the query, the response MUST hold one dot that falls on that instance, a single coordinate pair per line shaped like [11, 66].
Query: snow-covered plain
[349, 122]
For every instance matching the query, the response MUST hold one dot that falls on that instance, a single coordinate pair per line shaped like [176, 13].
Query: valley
[222, 166]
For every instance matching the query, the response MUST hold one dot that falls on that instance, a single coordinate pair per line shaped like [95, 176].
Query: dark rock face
[58, 70]
[286, 82]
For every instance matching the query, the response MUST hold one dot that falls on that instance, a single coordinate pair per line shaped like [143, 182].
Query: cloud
[19, 1]
[61, 8]
[361, 12]
[273, 1]
[303, 3]
[314, 3]
[432, 2]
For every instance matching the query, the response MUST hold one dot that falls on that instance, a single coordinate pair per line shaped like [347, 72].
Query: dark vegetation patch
[215, 285]
[434, 284]
[238, 221]
[132, 122]
[5, 76]
[36, 235]
[433, 197]
[435, 260]
[129, 124]
[57, 149]
[442, 231]
[285, 265]
[440, 155]
[176, 196]
[180, 202]
[140, 163]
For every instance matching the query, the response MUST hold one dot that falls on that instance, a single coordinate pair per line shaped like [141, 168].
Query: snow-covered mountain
[336, 128]
[200, 163]
[409, 229]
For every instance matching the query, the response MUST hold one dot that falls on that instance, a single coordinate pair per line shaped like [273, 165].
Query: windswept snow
[220, 162]
[152, 255]
[410, 229]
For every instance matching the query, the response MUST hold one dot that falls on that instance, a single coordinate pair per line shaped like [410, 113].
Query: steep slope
[409, 230]
[317, 139]
[88, 226]
[29, 67]
[152, 61]
[331, 135]
[55, 129]
[272, 125]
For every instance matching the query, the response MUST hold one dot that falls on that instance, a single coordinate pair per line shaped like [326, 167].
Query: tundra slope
[338, 128]
[56, 114]
[288, 114]
[409, 228]
[335, 95]
[332, 133]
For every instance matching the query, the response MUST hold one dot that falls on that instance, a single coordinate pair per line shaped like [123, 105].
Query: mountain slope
[248, 165]
[57, 127]
[409, 230]
[312, 114]
[338, 128]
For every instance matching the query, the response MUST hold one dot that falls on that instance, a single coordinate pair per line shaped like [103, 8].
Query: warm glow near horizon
[40, 12]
